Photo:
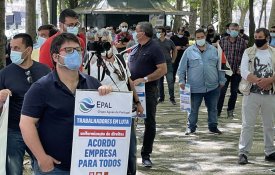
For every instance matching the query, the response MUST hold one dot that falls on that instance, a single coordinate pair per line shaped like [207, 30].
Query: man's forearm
[157, 74]
[31, 138]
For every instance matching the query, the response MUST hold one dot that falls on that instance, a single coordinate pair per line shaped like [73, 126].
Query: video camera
[100, 46]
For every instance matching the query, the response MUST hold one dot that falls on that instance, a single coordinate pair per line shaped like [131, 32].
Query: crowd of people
[42, 79]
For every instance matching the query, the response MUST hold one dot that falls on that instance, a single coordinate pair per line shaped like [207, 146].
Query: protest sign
[3, 136]
[102, 129]
[185, 99]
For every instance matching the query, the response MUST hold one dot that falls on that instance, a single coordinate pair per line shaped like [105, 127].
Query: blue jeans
[211, 100]
[170, 82]
[16, 148]
[132, 160]
[55, 171]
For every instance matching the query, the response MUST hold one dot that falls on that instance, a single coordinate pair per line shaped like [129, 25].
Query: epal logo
[86, 105]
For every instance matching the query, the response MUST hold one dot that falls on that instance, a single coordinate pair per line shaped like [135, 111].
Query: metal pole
[53, 11]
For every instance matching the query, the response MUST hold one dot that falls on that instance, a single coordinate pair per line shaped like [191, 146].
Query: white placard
[102, 129]
[4, 135]
[140, 90]
[185, 99]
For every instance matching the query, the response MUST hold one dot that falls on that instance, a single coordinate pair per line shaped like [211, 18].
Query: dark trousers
[175, 68]
[151, 92]
[234, 81]
[170, 82]
[132, 160]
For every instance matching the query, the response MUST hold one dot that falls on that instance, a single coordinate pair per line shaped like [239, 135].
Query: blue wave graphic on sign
[86, 105]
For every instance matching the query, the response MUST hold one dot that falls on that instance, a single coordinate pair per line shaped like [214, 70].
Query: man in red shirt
[68, 22]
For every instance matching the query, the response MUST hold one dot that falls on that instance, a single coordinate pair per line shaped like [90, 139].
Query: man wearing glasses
[15, 81]
[122, 39]
[50, 103]
[68, 22]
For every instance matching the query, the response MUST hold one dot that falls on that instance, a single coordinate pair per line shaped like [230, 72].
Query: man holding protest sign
[50, 104]
[15, 80]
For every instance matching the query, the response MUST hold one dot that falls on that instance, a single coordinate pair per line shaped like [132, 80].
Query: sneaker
[160, 101]
[189, 131]
[242, 159]
[215, 131]
[230, 114]
[270, 158]
[146, 162]
[173, 102]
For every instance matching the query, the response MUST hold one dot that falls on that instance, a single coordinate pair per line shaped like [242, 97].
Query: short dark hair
[147, 28]
[234, 25]
[52, 29]
[200, 30]
[227, 25]
[26, 39]
[264, 30]
[181, 29]
[67, 13]
[272, 27]
[61, 39]
[163, 30]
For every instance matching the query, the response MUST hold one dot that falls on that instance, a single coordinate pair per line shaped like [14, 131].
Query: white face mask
[200, 42]
[180, 36]
[124, 29]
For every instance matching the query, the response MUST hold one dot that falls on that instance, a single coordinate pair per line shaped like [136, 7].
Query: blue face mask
[272, 34]
[158, 35]
[200, 42]
[72, 60]
[234, 33]
[40, 41]
[73, 30]
[134, 34]
[16, 57]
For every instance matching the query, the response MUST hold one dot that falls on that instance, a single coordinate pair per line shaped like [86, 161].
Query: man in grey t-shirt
[170, 53]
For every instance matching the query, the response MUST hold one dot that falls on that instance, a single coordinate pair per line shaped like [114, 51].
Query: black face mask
[210, 31]
[242, 31]
[260, 42]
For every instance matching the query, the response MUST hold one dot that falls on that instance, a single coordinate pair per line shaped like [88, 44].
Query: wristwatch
[146, 79]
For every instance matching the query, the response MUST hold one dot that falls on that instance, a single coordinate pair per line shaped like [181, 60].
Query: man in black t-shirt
[181, 42]
[212, 37]
[15, 80]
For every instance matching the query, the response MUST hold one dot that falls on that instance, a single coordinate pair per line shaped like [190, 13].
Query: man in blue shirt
[272, 36]
[49, 104]
[15, 80]
[200, 63]
[147, 64]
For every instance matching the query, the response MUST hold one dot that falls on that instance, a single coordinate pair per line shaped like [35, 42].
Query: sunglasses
[29, 76]
[121, 77]
[124, 26]
[71, 49]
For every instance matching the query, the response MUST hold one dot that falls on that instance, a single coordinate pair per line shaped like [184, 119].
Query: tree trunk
[261, 12]
[73, 3]
[2, 34]
[225, 13]
[242, 18]
[252, 25]
[206, 12]
[178, 20]
[44, 12]
[272, 15]
[31, 18]
[193, 19]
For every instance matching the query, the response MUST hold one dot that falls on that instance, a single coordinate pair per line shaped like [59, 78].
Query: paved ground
[203, 153]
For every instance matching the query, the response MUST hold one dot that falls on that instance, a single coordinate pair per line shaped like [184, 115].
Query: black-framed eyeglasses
[71, 49]
[29, 76]
[78, 24]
